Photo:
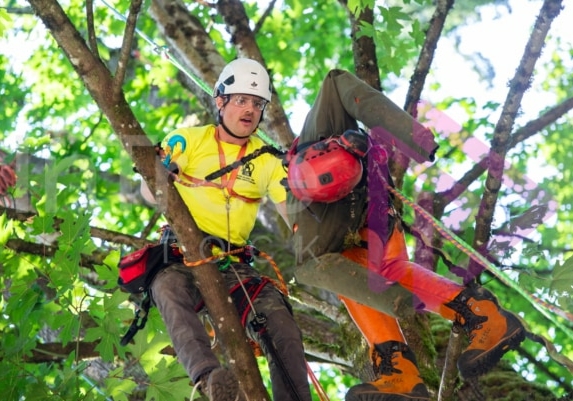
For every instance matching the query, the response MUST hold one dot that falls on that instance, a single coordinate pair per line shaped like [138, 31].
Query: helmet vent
[325, 178]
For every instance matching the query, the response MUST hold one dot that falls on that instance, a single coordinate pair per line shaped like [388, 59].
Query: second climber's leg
[397, 375]
[492, 330]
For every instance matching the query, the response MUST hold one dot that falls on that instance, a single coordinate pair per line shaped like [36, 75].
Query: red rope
[317, 386]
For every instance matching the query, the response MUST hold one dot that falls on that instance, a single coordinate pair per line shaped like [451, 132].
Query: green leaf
[5, 20]
[120, 387]
[74, 229]
[563, 277]
[42, 224]
[106, 273]
[64, 320]
[166, 381]
[6, 229]
[106, 343]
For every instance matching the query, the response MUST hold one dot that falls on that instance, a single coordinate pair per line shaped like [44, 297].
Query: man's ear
[219, 102]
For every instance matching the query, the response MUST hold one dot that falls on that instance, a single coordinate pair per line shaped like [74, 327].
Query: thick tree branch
[399, 162]
[125, 52]
[98, 80]
[276, 125]
[191, 46]
[364, 48]
[21, 246]
[96, 232]
[502, 132]
[324, 343]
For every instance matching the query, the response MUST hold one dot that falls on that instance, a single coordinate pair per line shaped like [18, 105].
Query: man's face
[242, 113]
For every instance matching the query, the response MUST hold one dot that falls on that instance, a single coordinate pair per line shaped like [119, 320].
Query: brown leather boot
[399, 378]
[492, 331]
[221, 385]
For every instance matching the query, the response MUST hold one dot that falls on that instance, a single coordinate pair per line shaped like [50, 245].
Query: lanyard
[227, 181]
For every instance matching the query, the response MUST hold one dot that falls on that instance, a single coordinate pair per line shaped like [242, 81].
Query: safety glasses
[243, 101]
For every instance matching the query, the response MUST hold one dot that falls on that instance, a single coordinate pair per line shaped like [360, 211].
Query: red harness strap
[249, 287]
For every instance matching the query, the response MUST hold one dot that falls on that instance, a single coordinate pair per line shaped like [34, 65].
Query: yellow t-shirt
[196, 152]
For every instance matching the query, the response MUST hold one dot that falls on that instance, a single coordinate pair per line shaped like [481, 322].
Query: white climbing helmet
[245, 76]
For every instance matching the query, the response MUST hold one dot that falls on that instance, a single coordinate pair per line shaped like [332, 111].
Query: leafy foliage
[64, 290]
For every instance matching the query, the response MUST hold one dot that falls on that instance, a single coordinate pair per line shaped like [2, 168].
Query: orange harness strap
[227, 182]
[280, 284]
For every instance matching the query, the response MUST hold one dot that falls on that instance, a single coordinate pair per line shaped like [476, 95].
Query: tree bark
[502, 132]
[98, 81]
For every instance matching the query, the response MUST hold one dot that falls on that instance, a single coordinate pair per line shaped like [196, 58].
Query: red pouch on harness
[137, 269]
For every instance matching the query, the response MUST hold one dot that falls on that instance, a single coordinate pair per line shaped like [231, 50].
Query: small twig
[92, 39]
[264, 17]
[152, 221]
[125, 52]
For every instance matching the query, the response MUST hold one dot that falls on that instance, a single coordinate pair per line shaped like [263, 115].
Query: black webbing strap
[259, 325]
[250, 287]
[138, 323]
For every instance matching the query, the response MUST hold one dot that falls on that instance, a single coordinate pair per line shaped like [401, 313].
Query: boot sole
[222, 386]
[373, 394]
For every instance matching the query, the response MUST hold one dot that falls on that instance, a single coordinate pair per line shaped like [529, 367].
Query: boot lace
[467, 320]
[382, 360]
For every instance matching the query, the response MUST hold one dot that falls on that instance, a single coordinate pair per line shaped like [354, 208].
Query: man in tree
[358, 220]
[225, 209]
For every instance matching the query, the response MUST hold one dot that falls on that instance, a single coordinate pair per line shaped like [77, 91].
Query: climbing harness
[249, 249]
[243, 295]
[137, 270]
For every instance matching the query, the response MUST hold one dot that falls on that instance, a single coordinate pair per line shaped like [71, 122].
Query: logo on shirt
[248, 169]
[246, 173]
[174, 148]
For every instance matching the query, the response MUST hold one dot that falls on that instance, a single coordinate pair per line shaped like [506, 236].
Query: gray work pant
[175, 295]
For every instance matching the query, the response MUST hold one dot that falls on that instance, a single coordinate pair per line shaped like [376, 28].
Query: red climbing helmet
[325, 171]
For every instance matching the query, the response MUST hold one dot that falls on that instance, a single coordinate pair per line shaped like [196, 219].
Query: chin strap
[228, 131]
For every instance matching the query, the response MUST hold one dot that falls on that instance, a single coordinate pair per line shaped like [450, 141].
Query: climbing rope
[543, 307]
[318, 387]
[166, 53]
[280, 283]
[281, 286]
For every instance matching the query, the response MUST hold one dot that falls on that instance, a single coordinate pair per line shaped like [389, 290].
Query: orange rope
[280, 284]
[317, 386]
